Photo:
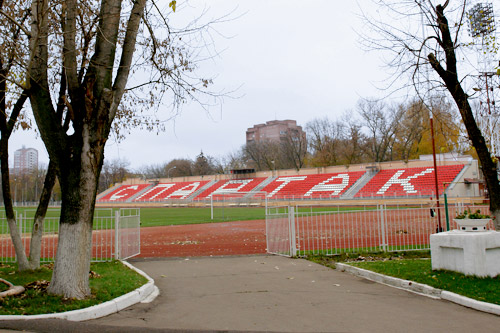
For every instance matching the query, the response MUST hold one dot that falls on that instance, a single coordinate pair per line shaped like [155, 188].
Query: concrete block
[471, 253]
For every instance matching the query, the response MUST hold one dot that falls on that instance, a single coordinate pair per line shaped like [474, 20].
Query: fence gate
[127, 233]
[278, 234]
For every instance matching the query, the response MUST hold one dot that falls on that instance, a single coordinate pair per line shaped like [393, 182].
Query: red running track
[227, 238]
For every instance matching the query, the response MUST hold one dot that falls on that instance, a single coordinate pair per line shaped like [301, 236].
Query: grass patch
[416, 266]
[113, 279]
[350, 257]
[152, 217]
[366, 250]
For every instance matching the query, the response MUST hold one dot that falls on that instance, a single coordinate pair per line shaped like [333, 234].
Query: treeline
[373, 132]
[26, 187]
[116, 171]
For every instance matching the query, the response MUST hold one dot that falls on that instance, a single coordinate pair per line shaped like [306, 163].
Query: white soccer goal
[223, 205]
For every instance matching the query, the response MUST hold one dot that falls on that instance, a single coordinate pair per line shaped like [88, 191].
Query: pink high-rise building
[274, 130]
[25, 160]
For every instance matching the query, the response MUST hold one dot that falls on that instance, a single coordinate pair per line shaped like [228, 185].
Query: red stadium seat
[166, 191]
[231, 188]
[123, 193]
[409, 182]
[327, 185]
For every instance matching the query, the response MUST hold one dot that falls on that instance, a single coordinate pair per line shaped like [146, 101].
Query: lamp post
[168, 171]
[436, 183]
[15, 191]
[274, 167]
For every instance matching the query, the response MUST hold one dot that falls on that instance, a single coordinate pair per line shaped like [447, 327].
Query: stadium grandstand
[460, 177]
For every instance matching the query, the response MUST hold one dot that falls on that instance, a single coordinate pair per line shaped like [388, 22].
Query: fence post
[117, 238]
[291, 226]
[382, 226]
[21, 227]
[446, 211]
[267, 230]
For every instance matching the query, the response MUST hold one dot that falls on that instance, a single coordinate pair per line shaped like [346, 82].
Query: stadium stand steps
[132, 198]
[201, 190]
[351, 192]
[260, 186]
[460, 175]
[231, 188]
[106, 192]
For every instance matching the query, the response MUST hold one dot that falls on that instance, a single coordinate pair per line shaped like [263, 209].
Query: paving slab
[272, 293]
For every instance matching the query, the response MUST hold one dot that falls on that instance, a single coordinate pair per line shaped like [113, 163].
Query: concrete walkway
[270, 293]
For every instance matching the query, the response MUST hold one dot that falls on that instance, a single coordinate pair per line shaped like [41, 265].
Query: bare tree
[293, 149]
[354, 142]
[13, 96]
[264, 155]
[325, 139]
[234, 160]
[114, 171]
[202, 165]
[77, 67]
[411, 128]
[382, 123]
[183, 167]
[427, 47]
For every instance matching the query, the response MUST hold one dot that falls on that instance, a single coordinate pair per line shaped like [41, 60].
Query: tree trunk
[71, 269]
[22, 259]
[37, 232]
[70, 277]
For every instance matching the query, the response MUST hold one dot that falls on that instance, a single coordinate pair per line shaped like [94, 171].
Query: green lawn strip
[152, 217]
[114, 280]
[356, 251]
[419, 270]
[330, 260]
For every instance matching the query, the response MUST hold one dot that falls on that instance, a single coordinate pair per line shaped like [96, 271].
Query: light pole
[168, 171]
[274, 167]
[15, 191]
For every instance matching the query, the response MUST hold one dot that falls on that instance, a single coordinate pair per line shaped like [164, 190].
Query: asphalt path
[272, 294]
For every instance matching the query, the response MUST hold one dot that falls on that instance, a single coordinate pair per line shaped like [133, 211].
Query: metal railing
[303, 231]
[115, 235]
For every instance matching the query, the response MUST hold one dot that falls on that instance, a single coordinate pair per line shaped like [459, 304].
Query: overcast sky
[290, 59]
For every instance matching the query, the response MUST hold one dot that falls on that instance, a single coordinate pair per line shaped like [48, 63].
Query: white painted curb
[146, 293]
[420, 288]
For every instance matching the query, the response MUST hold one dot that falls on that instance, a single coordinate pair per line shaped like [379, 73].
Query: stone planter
[474, 225]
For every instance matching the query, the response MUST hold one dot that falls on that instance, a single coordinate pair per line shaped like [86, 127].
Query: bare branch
[26, 32]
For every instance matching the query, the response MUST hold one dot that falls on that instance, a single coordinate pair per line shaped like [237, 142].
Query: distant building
[25, 160]
[274, 130]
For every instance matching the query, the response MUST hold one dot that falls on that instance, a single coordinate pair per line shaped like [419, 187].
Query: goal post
[231, 205]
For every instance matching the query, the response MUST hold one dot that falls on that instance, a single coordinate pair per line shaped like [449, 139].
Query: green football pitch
[163, 216]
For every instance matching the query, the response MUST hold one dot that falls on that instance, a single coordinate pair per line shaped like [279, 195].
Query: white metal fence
[302, 231]
[115, 235]
[127, 233]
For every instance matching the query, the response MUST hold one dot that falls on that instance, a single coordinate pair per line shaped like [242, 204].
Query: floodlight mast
[482, 29]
